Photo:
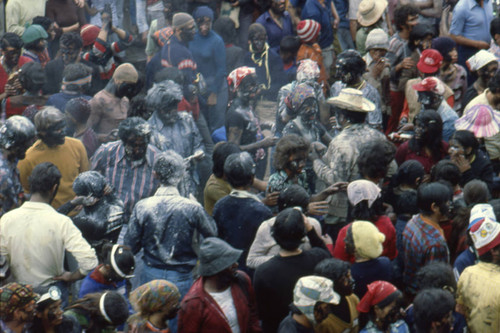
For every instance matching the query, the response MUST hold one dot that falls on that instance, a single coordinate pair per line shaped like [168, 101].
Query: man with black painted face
[349, 70]
[110, 106]
[68, 154]
[10, 62]
[16, 136]
[175, 53]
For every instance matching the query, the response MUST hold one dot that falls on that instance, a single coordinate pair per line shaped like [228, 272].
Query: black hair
[432, 139]
[115, 305]
[494, 84]
[362, 212]
[43, 178]
[467, 139]
[293, 196]
[73, 72]
[430, 193]
[79, 108]
[406, 203]
[255, 29]
[352, 116]
[90, 183]
[169, 73]
[436, 275]
[430, 306]
[476, 191]
[401, 14]
[286, 146]
[44, 21]
[332, 268]
[409, 172]
[446, 170]
[32, 45]
[352, 62]
[41, 290]
[289, 229]
[125, 260]
[222, 150]
[395, 296]
[239, 169]
[32, 76]
[138, 107]
[134, 126]
[225, 27]
[10, 39]
[495, 203]
[374, 158]
[495, 27]
[420, 31]
[290, 44]
[71, 39]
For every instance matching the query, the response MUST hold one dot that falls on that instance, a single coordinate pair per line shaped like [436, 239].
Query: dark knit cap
[203, 11]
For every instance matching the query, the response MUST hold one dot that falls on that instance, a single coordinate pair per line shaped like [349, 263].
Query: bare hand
[80, 3]
[319, 147]
[461, 162]
[11, 90]
[327, 239]
[337, 187]
[317, 208]
[66, 277]
[333, 122]
[212, 99]
[482, 45]
[271, 199]
[107, 190]
[335, 24]
[408, 63]
[377, 69]
[235, 4]
[269, 141]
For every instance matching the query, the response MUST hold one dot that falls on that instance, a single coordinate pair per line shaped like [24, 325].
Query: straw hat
[370, 11]
[352, 100]
[481, 120]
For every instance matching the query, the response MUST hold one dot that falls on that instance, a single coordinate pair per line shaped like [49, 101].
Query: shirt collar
[121, 154]
[167, 191]
[37, 205]
[244, 194]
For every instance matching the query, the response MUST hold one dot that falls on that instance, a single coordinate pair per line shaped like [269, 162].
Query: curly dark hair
[401, 15]
[286, 146]
[71, 39]
[374, 158]
[432, 140]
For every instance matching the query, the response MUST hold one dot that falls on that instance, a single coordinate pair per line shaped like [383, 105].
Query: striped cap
[307, 30]
[312, 289]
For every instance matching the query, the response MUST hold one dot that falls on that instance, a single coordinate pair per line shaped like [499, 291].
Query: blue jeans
[345, 39]
[183, 281]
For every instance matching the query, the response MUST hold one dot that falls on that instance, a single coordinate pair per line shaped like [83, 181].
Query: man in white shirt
[35, 236]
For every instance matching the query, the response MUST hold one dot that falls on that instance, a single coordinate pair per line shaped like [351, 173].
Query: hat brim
[380, 6]
[426, 69]
[222, 262]
[491, 245]
[339, 102]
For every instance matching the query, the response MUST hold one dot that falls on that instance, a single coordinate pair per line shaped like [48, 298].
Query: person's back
[34, 236]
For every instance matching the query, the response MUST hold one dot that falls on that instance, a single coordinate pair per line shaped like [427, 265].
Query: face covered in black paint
[18, 151]
[344, 75]
[429, 100]
[248, 89]
[227, 276]
[11, 56]
[69, 54]
[135, 147]
[308, 111]
[296, 162]
[40, 46]
[204, 25]
[258, 42]
[187, 33]
[55, 134]
[127, 89]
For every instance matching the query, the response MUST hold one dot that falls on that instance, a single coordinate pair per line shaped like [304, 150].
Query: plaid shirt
[422, 244]
[131, 182]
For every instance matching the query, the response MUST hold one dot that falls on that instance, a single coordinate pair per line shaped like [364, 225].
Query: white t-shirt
[226, 303]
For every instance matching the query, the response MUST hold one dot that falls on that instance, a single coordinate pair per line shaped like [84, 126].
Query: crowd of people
[250, 166]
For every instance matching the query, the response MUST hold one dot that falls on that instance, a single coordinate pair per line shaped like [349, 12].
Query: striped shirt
[130, 182]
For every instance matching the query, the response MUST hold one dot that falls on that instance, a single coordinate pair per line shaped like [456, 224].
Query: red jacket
[200, 312]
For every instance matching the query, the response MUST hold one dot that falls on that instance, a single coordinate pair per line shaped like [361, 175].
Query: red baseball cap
[430, 84]
[430, 61]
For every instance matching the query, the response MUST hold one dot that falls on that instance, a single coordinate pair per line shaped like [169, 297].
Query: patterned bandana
[308, 70]
[301, 92]
[236, 76]
[14, 296]
[154, 296]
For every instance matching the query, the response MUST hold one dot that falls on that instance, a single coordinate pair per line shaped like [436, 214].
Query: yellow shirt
[215, 189]
[70, 158]
[479, 293]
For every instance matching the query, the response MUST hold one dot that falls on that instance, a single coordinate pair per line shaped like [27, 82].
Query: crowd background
[249, 166]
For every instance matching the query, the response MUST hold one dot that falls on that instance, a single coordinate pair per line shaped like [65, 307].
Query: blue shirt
[342, 7]
[60, 100]
[472, 21]
[209, 52]
[274, 32]
[323, 15]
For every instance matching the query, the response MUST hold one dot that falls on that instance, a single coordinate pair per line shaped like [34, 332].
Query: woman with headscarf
[155, 302]
[242, 125]
[381, 308]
